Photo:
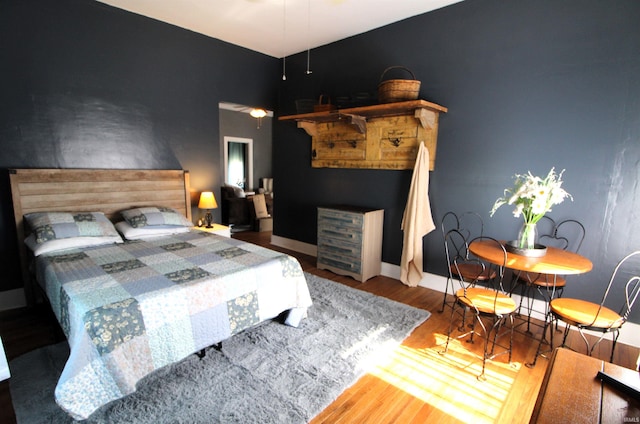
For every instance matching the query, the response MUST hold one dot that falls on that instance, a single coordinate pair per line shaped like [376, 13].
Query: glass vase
[528, 236]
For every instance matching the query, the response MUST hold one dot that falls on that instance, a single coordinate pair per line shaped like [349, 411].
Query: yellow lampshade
[207, 200]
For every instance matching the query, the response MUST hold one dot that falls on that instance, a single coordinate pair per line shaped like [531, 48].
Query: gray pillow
[48, 226]
[150, 216]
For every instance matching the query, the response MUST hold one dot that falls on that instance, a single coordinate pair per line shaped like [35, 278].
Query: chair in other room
[566, 235]
[469, 225]
[235, 206]
[605, 317]
[490, 304]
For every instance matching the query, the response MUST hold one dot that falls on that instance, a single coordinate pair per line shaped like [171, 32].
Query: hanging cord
[284, 33]
[309, 71]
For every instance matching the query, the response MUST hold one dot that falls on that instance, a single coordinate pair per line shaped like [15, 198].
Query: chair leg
[566, 334]
[463, 323]
[530, 298]
[511, 338]
[527, 292]
[548, 322]
[473, 328]
[613, 346]
[495, 329]
[446, 346]
[614, 341]
[497, 326]
[482, 377]
[444, 298]
[560, 290]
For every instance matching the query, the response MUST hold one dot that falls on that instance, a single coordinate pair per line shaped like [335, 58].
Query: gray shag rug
[271, 373]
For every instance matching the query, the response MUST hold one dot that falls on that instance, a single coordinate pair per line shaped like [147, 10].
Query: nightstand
[221, 230]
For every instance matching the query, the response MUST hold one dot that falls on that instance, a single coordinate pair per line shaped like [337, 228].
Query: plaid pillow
[48, 226]
[149, 216]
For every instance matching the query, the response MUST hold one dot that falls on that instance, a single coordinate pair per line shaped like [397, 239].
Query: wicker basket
[398, 90]
[323, 107]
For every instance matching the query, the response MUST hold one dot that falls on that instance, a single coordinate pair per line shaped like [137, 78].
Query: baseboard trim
[629, 334]
[295, 245]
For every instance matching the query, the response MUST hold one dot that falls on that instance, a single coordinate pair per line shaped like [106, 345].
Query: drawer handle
[335, 233]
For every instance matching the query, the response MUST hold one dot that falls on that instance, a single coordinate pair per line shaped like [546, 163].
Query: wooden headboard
[91, 190]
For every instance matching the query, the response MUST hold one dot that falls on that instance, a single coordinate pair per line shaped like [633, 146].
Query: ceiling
[279, 28]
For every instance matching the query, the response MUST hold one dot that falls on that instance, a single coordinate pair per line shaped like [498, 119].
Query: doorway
[238, 161]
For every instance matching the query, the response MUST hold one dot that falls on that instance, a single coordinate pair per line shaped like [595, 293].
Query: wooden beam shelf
[384, 136]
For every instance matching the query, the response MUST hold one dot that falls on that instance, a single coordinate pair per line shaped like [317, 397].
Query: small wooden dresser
[350, 241]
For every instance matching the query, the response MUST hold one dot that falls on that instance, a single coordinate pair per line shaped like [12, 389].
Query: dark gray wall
[529, 85]
[85, 85]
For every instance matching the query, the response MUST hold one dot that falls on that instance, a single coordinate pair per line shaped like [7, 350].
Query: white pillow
[132, 233]
[68, 243]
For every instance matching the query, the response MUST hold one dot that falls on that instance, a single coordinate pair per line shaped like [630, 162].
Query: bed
[128, 308]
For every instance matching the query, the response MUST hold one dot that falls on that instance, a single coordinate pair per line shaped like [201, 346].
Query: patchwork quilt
[128, 309]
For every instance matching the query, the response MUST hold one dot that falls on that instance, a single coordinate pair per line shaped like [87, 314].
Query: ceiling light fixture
[258, 114]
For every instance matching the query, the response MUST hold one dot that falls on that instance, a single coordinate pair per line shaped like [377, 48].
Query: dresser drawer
[339, 235]
[340, 249]
[339, 218]
[340, 263]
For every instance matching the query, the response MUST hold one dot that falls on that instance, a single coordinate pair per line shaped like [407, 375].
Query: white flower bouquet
[532, 197]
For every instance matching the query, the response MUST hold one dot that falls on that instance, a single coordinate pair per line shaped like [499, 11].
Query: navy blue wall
[529, 85]
[85, 85]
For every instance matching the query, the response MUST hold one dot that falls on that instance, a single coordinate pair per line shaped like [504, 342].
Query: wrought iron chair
[566, 235]
[610, 314]
[491, 304]
[468, 225]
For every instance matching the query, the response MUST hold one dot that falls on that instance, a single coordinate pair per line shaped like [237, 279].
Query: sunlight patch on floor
[449, 381]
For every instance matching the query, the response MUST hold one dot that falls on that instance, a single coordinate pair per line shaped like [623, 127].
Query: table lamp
[208, 202]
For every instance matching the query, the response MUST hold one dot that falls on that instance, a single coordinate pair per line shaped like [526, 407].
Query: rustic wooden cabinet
[350, 241]
[385, 136]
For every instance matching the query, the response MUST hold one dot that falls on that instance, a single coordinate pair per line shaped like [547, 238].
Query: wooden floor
[417, 384]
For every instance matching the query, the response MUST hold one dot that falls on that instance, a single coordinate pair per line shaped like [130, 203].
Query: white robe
[416, 221]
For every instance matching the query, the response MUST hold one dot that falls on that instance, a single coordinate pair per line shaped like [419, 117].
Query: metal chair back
[625, 278]
[566, 235]
[456, 248]
[469, 224]
[496, 283]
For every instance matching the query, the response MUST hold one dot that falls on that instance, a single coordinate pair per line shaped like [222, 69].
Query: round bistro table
[555, 262]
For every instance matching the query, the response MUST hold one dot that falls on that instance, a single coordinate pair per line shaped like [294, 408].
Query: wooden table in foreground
[571, 392]
[556, 261]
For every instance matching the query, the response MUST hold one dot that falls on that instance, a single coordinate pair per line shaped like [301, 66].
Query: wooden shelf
[384, 136]
[373, 111]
